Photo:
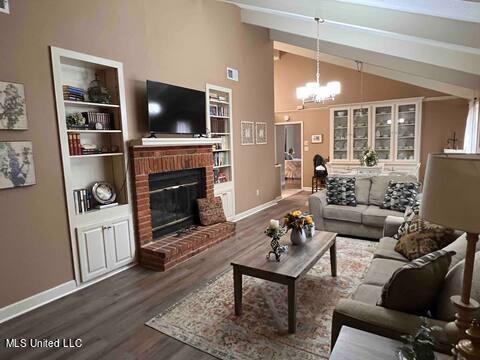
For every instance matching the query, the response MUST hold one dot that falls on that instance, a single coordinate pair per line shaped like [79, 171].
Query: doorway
[289, 155]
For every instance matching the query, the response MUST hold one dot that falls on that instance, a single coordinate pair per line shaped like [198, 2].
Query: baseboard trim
[35, 301]
[307, 188]
[255, 209]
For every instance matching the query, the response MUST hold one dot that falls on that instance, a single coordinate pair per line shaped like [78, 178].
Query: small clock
[103, 193]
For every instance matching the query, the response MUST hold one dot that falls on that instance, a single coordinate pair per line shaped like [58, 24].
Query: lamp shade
[451, 191]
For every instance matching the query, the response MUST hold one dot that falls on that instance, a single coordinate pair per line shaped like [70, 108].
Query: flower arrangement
[274, 230]
[297, 220]
[420, 345]
[369, 157]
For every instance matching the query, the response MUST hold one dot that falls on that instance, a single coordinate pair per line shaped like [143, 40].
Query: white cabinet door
[360, 131]
[121, 235]
[406, 132]
[105, 247]
[340, 134]
[92, 247]
[383, 131]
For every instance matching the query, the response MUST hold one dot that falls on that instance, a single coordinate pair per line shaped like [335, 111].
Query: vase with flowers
[297, 221]
[369, 158]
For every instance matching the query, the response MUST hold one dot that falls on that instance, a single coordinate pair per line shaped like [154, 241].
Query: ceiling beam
[444, 55]
[408, 78]
[421, 26]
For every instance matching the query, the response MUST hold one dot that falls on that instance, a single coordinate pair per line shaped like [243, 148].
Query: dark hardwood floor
[109, 316]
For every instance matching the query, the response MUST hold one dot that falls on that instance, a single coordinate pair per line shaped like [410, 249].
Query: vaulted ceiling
[429, 43]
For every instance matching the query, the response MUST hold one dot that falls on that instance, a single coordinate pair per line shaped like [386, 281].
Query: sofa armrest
[316, 204]
[391, 225]
[381, 321]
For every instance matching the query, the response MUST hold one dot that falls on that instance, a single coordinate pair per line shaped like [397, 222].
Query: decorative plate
[103, 193]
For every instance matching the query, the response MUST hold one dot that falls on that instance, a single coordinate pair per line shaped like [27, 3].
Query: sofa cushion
[414, 286]
[341, 191]
[375, 216]
[381, 270]
[211, 211]
[379, 186]
[344, 213]
[400, 194]
[369, 294]
[386, 250]
[460, 247]
[423, 237]
[410, 214]
[362, 189]
[444, 309]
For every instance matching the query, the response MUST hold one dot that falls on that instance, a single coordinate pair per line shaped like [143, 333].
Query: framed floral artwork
[247, 129]
[13, 110]
[261, 133]
[4, 7]
[16, 164]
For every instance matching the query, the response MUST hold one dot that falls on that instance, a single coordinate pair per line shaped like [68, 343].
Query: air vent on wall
[232, 74]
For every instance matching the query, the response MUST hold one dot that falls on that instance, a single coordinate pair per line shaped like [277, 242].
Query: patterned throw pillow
[211, 211]
[341, 191]
[422, 237]
[399, 195]
[414, 287]
[408, 217]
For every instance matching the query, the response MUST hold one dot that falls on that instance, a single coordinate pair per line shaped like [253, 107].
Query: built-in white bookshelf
[102, 239]
[220, 126]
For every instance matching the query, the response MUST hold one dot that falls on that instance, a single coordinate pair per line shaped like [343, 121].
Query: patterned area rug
[205, 318]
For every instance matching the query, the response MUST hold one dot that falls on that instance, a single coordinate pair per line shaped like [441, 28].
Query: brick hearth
[161, 254]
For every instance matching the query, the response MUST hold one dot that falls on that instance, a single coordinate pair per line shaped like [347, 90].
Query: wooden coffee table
[292, 266]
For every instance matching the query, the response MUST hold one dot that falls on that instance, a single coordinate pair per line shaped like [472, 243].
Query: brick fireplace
[167, 251]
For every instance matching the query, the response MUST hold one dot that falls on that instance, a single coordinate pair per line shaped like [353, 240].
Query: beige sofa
[361, 311]
[364, 220]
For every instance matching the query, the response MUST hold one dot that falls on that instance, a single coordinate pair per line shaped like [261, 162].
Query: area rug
[205, 318]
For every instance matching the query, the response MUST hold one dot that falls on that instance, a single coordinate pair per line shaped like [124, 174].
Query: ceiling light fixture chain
[360, 70]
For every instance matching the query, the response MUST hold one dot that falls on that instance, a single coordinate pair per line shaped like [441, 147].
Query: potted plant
[369, 158]
[296, 221]
[419, 346]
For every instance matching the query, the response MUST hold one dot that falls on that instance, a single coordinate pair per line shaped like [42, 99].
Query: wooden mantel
[156, 142]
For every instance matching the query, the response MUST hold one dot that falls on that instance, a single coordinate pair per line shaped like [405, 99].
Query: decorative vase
[298, 237]
[310, 230]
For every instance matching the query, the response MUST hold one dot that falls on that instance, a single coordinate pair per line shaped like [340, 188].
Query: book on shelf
[106, 206]
[94, 118]
[82, 200]
[220, 159]
[73, 93]
[74, 146]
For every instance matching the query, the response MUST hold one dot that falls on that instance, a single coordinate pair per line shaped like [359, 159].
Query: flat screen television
[175, 110]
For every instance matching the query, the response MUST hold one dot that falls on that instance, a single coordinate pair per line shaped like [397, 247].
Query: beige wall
[185, 42]
[440, 118]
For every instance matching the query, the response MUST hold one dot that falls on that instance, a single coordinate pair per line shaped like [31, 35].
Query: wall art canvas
[317, 139]
[247, 133]
[261, 133]
[13, 110]
[16, 164]
[4, 7]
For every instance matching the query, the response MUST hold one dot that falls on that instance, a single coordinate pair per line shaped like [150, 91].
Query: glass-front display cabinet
[406, 132]
[391, 128]
[360, 126]
[341, 127]
[382, 131]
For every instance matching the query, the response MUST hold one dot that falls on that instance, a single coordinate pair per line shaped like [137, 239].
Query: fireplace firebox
[173, 198]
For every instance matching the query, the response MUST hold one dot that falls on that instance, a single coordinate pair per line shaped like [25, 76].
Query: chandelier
[313, 91]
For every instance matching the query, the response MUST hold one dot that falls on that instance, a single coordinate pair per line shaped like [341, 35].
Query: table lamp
[451, 197]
